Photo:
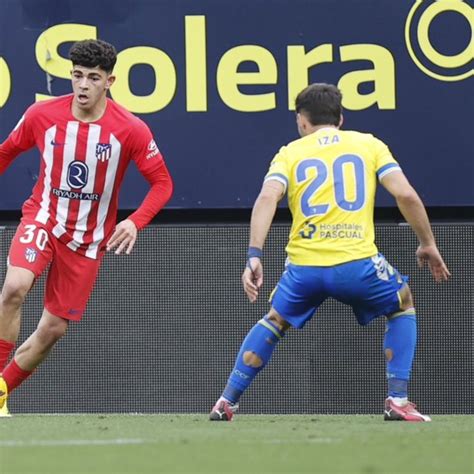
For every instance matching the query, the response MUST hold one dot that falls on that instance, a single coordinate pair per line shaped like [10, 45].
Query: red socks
[6, 348]
[11, 373]
[14, 375]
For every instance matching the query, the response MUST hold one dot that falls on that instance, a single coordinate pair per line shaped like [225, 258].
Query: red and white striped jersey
[82, 168]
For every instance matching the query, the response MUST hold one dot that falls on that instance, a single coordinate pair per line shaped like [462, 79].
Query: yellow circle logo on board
[430, 60]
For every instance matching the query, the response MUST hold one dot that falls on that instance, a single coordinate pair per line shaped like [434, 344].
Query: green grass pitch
[323, 444]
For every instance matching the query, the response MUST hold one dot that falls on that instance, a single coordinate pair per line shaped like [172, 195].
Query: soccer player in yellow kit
[330, 176]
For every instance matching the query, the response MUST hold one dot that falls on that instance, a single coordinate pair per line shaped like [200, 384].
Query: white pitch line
[302, 441]
[69, 442]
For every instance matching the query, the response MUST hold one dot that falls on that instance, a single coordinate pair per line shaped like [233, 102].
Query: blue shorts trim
[370, 286]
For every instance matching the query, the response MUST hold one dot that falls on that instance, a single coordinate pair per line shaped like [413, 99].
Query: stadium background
[173, 314]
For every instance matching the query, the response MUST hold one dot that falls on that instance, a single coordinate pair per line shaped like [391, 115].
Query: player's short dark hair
[321, 103]
[93, 53]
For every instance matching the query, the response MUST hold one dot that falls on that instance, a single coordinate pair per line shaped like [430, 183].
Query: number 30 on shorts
[33, 233]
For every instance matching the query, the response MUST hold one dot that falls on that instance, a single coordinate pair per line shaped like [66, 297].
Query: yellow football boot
[4, 412]
[3, 398]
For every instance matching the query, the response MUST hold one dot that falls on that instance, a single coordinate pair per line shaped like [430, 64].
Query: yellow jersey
[330, 177]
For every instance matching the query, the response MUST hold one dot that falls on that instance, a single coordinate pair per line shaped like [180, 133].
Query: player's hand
[252, 278]
[430, 255]
[123, 238]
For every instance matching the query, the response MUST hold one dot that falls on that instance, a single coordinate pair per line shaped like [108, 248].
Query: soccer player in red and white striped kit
[86, 142]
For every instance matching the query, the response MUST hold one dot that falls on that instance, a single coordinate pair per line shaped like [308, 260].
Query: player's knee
[13, 294]
[278, 321]
[252, 359]
[406, 299]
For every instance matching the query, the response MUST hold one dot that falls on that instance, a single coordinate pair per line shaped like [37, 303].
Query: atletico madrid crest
[30, 254]
[103, 151]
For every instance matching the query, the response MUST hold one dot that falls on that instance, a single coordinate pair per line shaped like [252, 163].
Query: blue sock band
[397, 388]
[399, 347]
[255, 352]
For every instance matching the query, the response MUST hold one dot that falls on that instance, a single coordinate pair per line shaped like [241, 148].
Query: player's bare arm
[123, 238]
[262, 216]
[414, 212]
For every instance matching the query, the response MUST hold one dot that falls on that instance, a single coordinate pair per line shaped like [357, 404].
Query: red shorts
[71, 276]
